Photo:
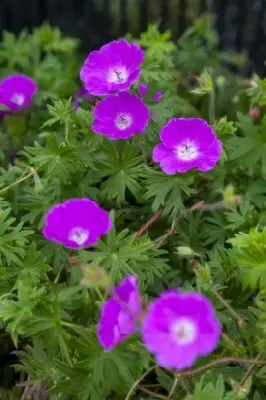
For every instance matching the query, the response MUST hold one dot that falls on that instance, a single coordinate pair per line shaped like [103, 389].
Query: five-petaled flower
[180, 327]
[16, 92]
[187, 143]
[115, 67]
[119, 314]
[120, 116]
[76, 223]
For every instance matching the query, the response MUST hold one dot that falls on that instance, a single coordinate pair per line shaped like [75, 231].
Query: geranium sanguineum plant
[132, 245]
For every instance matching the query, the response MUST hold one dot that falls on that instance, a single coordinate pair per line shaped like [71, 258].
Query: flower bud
[185, 251]
[205, 83]
[254, 112]
[94, 276]
[204, 274]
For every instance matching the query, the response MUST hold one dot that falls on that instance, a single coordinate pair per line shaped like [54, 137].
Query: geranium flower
[187, 143]
[76, 223]
[120, 116]
[119, 314]
[81, 95]
[115, 67]
[180, 327]
[16, 92]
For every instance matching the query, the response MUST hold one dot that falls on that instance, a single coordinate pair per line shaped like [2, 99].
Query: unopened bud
[185, 251]
[254, 112]
[204, 274]
[37, 182]
[252, 84]
[220, 81]
[230, 198]
[205, 83]
[94, 276]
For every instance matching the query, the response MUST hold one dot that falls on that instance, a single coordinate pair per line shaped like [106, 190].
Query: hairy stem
[240, 321]
[173, 388]
[153, 394]
[137, 382]
[147, 224]
[226, 360]
[248, 372]
[19, 181]
[212, 106]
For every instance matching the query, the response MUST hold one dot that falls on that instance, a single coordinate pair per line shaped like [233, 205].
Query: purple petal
[211, 156]
[76, 223]
[128, 293]
[157, 96]
[117, 57]
[16, 91]
[115, 325]
[142, 89]
[194, 314]
[127, 106]
[180, 129]
[160, 152]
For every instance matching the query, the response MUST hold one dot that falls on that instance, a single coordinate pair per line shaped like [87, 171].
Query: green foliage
[200, 231]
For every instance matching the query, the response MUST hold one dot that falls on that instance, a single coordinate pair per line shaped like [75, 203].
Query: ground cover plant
[132, 235]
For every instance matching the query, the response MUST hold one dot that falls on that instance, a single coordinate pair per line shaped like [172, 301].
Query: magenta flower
[143, 89]
[180, 327]
[187, 143]
[81, 95]
[16, 92]
[115, 67]
[119, 315]
[120, 116]
[76, 223]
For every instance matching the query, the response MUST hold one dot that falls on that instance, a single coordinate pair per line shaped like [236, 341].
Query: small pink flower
[180, 327]
[187, 143]
[119, 315]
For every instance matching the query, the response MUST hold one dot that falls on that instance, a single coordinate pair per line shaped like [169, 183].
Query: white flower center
[123, 121]
[184, 331]
[79, 235]
[118, 74]
[187, 151]
[18, 98]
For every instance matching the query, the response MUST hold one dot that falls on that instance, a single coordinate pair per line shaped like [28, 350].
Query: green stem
[137, 382]
[66, 132]
[99, 293]
[212, 106]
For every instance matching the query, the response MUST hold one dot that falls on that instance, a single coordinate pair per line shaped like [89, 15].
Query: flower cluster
[187, 143]
[177, 327]
[16, 92]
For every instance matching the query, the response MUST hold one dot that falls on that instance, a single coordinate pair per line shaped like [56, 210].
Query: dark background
[241, 24]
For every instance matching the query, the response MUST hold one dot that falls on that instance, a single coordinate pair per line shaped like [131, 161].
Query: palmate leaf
[251, 148]
[122, 168]
[56, 161]
[36, 203]
[120, 254]
[13, 239]
[167, 191]
[212, 391]
[250, 252]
